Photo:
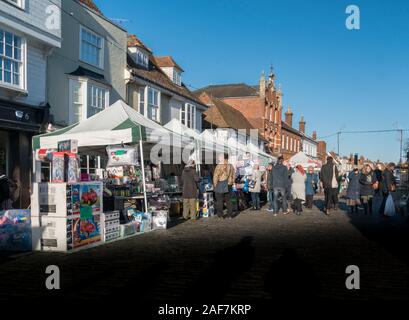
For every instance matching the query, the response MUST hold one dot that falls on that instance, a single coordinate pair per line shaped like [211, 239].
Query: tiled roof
[155, 75]
[223, 115]
[166, 61]
[90, 4]
[230, 90]
[133, 41]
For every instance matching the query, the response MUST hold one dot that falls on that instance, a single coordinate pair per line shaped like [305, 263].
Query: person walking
[311, 186]
[223, 180]
[388, 184]
[367, 182]
[190, 190]
[329, 178]
[353, 191]
[270, 189]
[298, 179]
[378, 173]
[280, 185]
[255, 187]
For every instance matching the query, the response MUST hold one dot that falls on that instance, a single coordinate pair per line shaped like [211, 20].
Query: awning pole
[143, 176]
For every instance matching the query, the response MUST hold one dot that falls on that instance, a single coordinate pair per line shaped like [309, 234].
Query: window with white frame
[153, 104]
[86, 99]
[286, 145]
[142, 58]
[282, 141]
[17, 3]
[188, 115]
[177, 78]
[97, 99]
[142, 100]
[91, 48]
[11, 59]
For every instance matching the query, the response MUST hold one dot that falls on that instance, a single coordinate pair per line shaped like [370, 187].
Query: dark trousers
[309, 201]
[383, 204]
[222, 198]
[297, 205]
[331, 198]
[255, 199]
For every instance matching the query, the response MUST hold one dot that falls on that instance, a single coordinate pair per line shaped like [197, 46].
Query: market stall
[305, 161]
[74, 211]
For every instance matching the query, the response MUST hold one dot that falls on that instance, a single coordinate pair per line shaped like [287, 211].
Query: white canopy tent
[304, 160]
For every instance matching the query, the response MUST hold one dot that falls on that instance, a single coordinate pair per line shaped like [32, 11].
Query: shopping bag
[390, 207]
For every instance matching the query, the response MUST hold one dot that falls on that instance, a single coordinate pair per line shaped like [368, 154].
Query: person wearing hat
[190, 192]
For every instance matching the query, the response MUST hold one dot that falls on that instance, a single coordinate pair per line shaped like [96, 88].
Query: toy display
[86, 230]
[73, 170]
[15, 230]
[69, 146]
[66, 216]
[207, 209]
[57, 167]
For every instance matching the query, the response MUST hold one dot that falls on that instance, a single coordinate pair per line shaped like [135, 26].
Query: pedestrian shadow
[215, 282]
[290, 277]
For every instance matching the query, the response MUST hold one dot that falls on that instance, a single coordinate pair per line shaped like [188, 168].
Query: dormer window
[142, 58]
[177, 77]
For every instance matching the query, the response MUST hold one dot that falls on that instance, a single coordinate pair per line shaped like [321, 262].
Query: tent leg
[145, 198]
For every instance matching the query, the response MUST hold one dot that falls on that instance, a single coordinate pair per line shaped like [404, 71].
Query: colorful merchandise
[159, 219]
[68, 146]
[57, 167]
[15, 230]
[86, 231]
[122, 156]
[73, 170]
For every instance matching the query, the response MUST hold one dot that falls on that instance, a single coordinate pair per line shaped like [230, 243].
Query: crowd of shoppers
[284, 183]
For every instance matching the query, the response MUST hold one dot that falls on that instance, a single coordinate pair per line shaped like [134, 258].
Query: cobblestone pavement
[253, 256]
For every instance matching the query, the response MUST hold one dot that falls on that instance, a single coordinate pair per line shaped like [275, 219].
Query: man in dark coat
[280, 185]
[270, 188]
[329, 178]
[388, 184]
[190, 181]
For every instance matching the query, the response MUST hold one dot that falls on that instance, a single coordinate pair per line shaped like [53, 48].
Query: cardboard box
[86, 230]
[70, 146]
[52, 234]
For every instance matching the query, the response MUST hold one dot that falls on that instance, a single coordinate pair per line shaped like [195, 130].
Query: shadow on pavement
[228, 265]
[291, 277]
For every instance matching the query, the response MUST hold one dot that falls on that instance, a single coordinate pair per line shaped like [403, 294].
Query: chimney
[289, 117]
[302, 125]
[314, 135]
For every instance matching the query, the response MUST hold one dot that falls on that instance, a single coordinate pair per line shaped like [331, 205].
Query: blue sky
[337, 78]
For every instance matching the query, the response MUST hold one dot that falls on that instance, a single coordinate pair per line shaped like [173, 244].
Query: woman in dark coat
[367, 182]
[388, 185]
[353, 191]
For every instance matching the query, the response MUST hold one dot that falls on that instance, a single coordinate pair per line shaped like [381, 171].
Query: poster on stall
[90, 195]
[86, 230]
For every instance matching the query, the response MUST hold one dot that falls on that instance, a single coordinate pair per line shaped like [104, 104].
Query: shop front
[18, 124]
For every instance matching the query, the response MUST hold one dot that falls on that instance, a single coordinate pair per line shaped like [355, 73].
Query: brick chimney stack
[314, 135]
[289, 117]
[262, 85]
[302, 125]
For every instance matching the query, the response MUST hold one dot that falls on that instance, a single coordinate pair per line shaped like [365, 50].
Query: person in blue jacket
[311, 186]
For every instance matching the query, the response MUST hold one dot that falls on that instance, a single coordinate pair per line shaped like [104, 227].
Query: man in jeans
[280, 185]
[190, 180]
[223, 180]
[329, 178]
[270, 189]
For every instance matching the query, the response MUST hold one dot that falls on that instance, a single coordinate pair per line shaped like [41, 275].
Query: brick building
[262, 106]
